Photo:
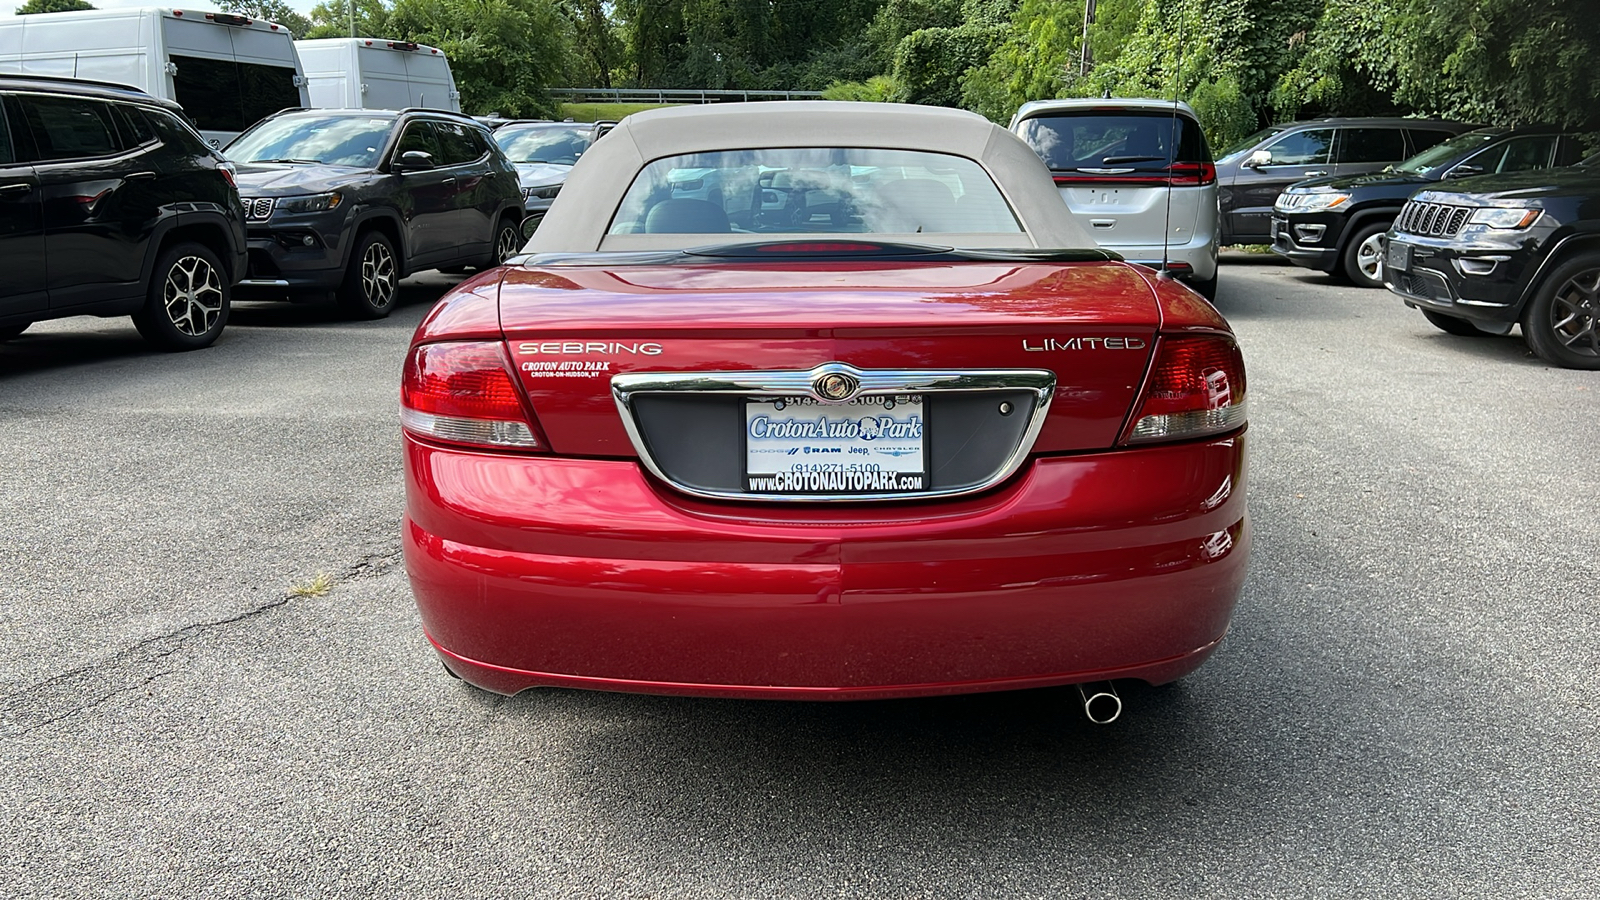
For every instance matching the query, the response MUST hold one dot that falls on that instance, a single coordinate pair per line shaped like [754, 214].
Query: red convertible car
[821, 401]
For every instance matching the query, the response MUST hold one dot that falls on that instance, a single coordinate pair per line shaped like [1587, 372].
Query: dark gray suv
[354, 200]
[1252, 172]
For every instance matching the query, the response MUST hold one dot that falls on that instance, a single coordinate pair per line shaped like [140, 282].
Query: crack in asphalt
[86, 687]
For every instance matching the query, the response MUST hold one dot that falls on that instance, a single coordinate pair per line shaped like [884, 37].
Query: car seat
[686, 217]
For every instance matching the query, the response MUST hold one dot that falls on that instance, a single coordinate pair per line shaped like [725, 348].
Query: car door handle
[1314, 174]
[15, 188]
[138, 176]
[451, 179]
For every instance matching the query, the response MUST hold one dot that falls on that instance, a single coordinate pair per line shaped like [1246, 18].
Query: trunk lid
[569, 329]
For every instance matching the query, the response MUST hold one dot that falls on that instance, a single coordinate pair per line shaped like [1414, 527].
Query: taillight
[1195, 388]
[227, 170]
[1190, 174]
[1183, 174]
[463, 393]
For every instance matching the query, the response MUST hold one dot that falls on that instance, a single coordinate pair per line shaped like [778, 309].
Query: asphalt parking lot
[1406, 706]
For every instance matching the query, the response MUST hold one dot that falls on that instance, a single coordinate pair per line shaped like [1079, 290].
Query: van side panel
[104, 45]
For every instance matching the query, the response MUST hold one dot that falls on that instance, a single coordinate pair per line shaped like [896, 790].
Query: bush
[877, 89]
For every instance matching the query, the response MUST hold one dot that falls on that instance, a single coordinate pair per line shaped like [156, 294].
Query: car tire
[1453, 324]
[372, 280]
[1362, 259]
[1207, 288]
[1562, 323]
[507, 241]
[7, 332]
[187, 303]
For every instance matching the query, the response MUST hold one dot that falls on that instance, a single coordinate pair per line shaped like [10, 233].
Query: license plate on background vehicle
[1397, 258]
[871, 445]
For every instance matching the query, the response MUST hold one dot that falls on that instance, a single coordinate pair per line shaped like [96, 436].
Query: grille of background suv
[1432, 219]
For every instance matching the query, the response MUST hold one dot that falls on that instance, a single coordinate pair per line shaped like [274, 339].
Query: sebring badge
[835, 386]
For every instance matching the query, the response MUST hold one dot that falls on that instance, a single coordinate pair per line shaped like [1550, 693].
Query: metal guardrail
[644, 95]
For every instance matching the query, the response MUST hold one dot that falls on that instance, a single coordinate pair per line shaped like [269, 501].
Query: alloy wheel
[1575, 313]
[1369, 257]
[192, 296]
[377, 275]
[507, 244]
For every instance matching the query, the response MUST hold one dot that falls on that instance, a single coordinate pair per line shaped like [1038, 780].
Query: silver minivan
[1138, 174]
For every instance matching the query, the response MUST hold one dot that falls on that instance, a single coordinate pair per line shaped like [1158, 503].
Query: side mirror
[413, 161]
[1258, 159]
[1464, 171]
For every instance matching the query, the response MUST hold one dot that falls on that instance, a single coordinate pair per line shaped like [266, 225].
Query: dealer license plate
[1397, 258]
[871, 445]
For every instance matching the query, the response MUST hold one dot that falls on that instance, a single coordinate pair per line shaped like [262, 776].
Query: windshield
[1439, 155]
[557, 144]
[332, 140]
[1130, 140]
[811, 190]
[1238, 148]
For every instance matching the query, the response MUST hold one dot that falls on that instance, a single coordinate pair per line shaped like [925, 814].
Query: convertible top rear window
[811, 190]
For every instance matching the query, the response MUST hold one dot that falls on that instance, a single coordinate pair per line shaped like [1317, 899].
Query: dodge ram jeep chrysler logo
[1039, 345]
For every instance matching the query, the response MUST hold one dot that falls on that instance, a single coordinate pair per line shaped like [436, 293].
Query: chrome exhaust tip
[1100, 702]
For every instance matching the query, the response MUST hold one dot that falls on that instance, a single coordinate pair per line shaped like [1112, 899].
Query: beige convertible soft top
[582, 213]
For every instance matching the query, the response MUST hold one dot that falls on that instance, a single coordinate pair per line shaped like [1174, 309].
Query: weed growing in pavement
[316, 586]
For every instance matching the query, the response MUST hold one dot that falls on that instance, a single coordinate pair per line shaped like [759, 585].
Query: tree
[272, 11]
[504, 53]
[50, 6]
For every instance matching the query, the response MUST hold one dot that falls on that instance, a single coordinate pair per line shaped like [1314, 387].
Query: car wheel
[187, 303]
[1562, 324]
[7, 332]
[1363, 256]
[371, 282]
[1207, 288]
[1453, 324]
[507, 241]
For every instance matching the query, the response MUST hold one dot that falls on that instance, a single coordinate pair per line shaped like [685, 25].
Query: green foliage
[1035, 58]
[272, 11]
[898, 18]
[930, 63]
[50, 6]
[332, 19]
[877, 89]
[503, 53]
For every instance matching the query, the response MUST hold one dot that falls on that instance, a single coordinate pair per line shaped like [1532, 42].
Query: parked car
[924, 440]
[354, 200]
[1480, 255]
[110, 205]
[1337, 224]
[370, 73]
[1254, 171]
[226, 70]
[1138, 176]
[543, 152]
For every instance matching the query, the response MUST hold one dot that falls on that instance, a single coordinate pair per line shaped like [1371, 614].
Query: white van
[227, 71]
[370, 73]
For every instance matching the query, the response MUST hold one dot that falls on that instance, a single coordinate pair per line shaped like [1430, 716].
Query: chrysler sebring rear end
[876, 439]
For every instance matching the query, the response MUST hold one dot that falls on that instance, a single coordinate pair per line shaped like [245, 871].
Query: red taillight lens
[463, 393]
[1181, 174]
[227, 171]
[1186, 174]
[1195, 388]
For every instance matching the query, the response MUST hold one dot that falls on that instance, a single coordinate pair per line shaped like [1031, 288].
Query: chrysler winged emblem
[835, 386]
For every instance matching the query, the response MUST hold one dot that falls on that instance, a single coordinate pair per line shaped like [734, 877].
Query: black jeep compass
[354, 200]
[112, 205]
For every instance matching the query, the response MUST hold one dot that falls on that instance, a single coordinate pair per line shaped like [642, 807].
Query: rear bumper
[584, 573]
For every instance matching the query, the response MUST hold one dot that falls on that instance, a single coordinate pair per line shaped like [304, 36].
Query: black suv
[1336, 225]
[110, 205]
[355, 200]
[1487, 253]
[1252, 172]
